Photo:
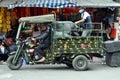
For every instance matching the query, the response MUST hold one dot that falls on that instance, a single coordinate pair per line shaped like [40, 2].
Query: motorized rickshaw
[73, 50]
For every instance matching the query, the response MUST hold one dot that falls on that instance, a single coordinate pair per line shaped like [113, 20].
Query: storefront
[39, 7]
[99, 4]
[6, 16]
[66, 6]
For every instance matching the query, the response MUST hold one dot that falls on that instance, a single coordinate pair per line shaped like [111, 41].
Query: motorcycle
[25, 51]
[4, 50]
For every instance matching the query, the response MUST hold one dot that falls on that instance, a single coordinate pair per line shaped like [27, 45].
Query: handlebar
[20, 40]
[26, 41]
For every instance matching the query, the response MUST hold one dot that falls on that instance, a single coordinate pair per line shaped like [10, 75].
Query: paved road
[60, 72]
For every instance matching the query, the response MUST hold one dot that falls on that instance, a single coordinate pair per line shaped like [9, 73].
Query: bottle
[24, 62]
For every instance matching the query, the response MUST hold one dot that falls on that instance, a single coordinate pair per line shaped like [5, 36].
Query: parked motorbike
[25, 51]
[4, 50]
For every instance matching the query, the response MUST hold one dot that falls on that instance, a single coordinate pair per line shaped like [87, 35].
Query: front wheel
[14, 66]
[80, 63]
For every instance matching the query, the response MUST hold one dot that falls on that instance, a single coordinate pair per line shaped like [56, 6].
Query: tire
[14, 66]
[108, 59]
[80, 63]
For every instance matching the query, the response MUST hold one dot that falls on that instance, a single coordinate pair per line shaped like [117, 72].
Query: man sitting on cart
[44, 39]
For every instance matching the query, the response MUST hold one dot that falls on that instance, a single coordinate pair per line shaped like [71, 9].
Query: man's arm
[82, 20]
[85, 15]
[41, 37]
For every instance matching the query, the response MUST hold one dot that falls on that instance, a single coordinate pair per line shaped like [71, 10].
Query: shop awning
[4, 3]
[44, 3]
[97, 3]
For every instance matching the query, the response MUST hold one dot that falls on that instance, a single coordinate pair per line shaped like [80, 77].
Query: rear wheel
[14, 66]
[80, 63]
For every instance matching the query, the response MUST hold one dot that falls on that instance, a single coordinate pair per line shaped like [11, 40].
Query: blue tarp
[45, 4]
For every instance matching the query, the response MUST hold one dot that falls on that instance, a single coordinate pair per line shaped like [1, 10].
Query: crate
[112, 46]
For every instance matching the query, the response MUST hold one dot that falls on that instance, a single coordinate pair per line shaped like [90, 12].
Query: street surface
[96, 71]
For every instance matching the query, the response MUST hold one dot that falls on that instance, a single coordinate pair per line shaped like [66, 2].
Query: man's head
[43, 27]
[81, 10]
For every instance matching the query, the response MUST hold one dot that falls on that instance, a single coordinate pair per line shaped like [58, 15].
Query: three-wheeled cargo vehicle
[67, 45]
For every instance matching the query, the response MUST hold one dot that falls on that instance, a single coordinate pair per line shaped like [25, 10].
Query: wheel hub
[80, 63]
